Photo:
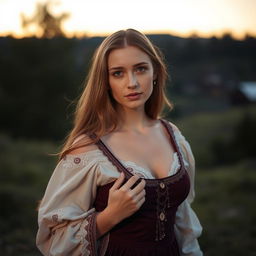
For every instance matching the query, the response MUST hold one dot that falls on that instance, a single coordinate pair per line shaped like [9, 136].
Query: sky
[179, 17]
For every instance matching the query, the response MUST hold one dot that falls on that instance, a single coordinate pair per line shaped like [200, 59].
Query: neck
[132, 120]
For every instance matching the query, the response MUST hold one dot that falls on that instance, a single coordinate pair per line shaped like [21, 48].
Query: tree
[47, 23]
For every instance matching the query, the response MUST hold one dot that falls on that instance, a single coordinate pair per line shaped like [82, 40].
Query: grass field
[225, 194]
[224, 202]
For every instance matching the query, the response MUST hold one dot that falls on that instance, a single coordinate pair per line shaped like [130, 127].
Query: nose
[132, 81]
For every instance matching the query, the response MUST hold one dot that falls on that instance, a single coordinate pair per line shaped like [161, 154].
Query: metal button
[162, 185]
[162, 216]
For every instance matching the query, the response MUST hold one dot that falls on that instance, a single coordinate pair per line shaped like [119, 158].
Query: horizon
[147, 33]
[172, 17]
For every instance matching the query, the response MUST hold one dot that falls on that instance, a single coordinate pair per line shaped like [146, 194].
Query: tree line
[42, 78]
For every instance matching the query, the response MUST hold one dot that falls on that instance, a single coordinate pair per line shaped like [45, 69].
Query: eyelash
[116, 73]
[141, 69]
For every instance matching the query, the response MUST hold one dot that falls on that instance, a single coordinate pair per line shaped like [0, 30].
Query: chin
[136, 106]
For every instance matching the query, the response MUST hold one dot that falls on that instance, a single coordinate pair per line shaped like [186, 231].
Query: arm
[187, 226]
[68, 225]
[66, 218]
[187, 229]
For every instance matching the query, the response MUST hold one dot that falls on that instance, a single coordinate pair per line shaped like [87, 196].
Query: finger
[129, 183]
[141, 202]
[137, 189]
[139, 196]
[118, 182]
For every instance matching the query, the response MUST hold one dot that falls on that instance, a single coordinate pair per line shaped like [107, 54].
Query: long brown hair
[95, 112]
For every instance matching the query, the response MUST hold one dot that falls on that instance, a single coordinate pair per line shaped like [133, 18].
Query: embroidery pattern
[145, 173]
[71, 161]
[90, 236]
[139, 173]
[83, 239]
[77, 160]
[55, 217]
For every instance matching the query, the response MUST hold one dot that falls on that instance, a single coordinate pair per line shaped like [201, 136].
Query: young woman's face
[131, 77]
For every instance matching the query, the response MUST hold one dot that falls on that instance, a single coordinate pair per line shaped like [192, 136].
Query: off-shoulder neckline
[96, 150]
[120, 166]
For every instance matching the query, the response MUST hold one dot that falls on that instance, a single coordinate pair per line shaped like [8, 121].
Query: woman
[124, 182]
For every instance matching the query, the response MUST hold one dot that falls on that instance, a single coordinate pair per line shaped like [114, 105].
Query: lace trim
[181, 140]
[150, 182]
[89, 239]
[145, 172]
[83, 239]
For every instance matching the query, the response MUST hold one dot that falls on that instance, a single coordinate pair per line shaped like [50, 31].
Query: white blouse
[67, 220]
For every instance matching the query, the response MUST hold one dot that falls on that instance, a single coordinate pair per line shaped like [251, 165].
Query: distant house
[244, 93]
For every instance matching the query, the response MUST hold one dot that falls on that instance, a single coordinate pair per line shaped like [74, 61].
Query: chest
[153, 152]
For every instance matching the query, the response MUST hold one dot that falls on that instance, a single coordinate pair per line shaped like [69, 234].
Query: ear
[155, 76]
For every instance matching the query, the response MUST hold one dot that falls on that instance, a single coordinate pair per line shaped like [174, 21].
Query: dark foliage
[40, 78]
[240, 145]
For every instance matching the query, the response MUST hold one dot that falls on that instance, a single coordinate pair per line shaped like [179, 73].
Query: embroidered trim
[70, 161]
[77, 160]
[136, 170]
[83, 239]
[55, 217]
[89, 241]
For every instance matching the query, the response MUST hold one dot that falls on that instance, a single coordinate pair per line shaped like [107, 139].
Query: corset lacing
[162, 186]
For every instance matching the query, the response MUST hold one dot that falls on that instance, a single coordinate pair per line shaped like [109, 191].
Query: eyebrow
[136, 65]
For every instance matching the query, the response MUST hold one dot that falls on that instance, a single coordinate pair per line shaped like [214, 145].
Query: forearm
[123, 202]
[105, 221]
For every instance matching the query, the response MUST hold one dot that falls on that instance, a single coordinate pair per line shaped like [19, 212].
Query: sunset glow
[101, 17]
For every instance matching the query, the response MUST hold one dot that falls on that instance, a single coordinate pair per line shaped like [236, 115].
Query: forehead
[129, 55]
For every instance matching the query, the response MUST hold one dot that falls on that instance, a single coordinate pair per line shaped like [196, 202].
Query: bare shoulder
[82, 144]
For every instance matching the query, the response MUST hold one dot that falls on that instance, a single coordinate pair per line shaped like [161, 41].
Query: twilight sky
[179, 17]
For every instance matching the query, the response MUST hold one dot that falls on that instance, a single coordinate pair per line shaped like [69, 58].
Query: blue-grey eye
[141, 69]
[117, 73]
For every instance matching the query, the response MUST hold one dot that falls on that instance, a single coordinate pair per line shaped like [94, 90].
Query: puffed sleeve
[66, 218]
[187, 226]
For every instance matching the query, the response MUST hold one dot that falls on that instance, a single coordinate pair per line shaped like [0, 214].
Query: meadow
[225, 186]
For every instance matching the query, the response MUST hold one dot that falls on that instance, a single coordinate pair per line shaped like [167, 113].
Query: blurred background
[210, 50]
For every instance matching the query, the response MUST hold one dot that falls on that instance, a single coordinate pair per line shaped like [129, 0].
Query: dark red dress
[150, 231]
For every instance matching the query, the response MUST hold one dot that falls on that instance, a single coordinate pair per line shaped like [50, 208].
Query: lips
[133, 94]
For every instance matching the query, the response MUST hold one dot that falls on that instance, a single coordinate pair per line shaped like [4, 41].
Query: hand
[124, 201]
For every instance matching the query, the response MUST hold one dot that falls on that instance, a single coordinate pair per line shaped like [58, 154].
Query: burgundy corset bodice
[150, 231]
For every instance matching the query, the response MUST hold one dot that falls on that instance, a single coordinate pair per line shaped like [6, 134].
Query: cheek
[115, 89]
[148, 87]
[149, 84]
[112, 84]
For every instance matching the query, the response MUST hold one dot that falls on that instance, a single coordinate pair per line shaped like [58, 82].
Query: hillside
[224, 201]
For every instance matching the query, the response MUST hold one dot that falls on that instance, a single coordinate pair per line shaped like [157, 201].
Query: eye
[117, 73]
[141, 69]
